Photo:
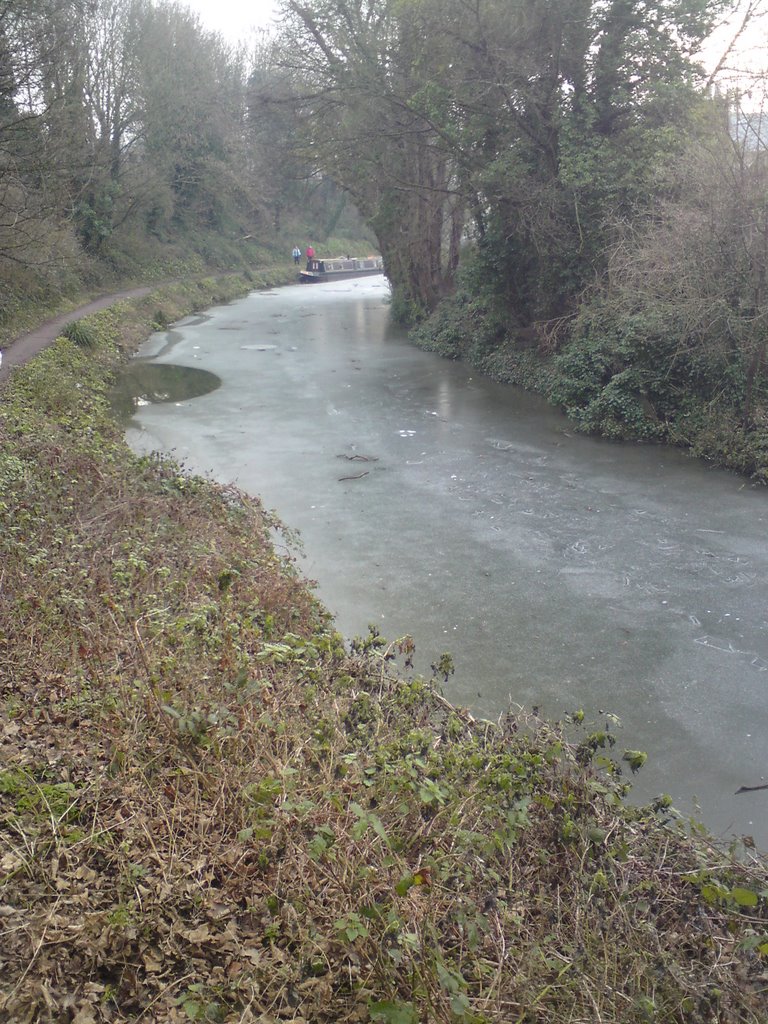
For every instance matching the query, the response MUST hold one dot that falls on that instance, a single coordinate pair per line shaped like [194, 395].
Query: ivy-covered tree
[272, 105]
[366, 74]
[534, 125]
[107, 82]
[599, 102]
[37, 157]
[194, 122]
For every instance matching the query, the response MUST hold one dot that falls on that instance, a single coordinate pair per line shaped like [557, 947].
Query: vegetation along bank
[567, 194]
[619, 377]
[211, 808]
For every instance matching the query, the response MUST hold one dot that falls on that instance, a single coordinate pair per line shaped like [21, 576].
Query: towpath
[28, 345]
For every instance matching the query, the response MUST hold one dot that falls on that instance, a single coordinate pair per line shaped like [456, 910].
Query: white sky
[750, 53]
[234, 19]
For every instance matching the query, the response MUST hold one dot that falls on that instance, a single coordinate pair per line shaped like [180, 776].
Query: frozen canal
[560, 571]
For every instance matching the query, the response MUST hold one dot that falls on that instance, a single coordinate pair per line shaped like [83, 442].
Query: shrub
[80, 333]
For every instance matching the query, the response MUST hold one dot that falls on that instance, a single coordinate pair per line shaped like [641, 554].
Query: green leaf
[460, 1005]
[635, 758]
[390, 1012]
[713, 893]
[744, 897]
[378, 828]
[404, 885]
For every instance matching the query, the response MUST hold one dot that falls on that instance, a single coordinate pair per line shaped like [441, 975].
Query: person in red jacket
[310, 255]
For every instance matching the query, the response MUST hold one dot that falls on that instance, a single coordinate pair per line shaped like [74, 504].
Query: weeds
[211, 809]
[80, 333]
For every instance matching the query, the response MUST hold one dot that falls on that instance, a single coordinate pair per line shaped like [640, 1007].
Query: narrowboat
[340, 267]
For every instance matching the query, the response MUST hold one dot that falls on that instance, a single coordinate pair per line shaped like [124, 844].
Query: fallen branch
[355, 477]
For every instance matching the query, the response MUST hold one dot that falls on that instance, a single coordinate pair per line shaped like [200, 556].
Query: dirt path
[28, 345]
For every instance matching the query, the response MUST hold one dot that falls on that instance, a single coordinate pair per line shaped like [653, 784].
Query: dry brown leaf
[84, 1015]
[86, 874]
[152, 963]
[10, 862]
[197, 935]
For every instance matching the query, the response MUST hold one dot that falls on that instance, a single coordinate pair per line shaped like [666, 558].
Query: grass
[212, 808]
[30, 300]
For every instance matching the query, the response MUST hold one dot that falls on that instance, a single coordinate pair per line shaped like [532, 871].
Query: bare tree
[361, 70]
[35, 159]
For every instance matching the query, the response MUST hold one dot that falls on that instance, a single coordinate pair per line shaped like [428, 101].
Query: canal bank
[208, 807]
[561, 572]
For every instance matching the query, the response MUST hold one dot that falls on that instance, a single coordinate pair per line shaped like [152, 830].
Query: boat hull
[312, 276]
[340, 268]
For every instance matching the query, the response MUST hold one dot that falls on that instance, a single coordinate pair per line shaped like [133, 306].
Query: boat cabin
[345, 263]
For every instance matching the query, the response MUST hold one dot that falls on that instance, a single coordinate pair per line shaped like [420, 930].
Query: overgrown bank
[623, 377]
[211, 809]
[179, 285]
